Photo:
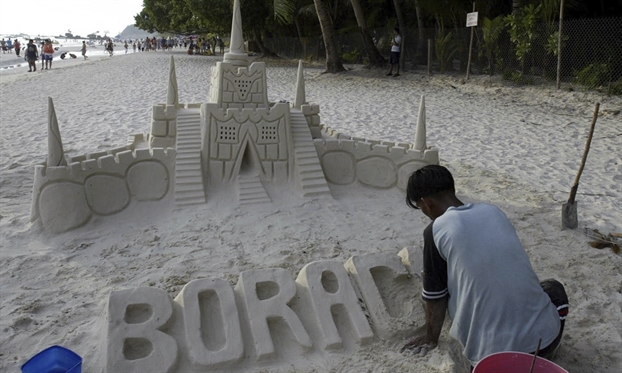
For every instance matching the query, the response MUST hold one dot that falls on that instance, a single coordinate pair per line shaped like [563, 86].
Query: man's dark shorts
[394, 59]
[555, 290]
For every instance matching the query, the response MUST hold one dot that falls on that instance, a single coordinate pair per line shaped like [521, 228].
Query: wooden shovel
[569, 209]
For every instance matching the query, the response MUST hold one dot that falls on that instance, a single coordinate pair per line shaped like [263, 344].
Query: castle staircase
[308, 173]
[188, 174]
[251, 190]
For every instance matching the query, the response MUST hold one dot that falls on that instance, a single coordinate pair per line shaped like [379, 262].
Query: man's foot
[396, 74]
[389, 74]
[29, 71]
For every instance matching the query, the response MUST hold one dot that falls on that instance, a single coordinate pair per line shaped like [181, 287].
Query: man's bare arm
[435, 316]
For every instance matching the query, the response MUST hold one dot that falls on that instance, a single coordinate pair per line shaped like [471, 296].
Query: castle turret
[236, 55]
[172, 96]
[56, 155]
[420, 135]
[300, 87]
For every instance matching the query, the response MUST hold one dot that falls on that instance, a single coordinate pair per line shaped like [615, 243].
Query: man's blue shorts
[394, 59]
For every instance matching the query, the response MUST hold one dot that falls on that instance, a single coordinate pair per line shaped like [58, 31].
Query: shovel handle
[573, 190]
[535, 356]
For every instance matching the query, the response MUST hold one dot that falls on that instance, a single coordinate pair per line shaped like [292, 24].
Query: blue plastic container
[55, 359]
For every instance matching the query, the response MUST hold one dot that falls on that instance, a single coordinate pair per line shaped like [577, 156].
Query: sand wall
[101, 184]
[377, 164]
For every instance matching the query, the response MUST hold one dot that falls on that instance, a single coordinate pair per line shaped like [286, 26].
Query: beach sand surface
[516, 147]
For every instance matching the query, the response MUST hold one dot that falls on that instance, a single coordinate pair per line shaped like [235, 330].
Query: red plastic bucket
[515, 362]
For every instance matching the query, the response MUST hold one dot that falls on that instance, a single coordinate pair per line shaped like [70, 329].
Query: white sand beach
[517, 147]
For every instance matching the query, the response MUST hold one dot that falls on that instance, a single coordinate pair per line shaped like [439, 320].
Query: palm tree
[421, 33]
[402, 26]
[375, 58]
[333, 62]
[287, 12]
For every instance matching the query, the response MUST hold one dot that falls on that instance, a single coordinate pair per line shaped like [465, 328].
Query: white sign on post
[471, 19]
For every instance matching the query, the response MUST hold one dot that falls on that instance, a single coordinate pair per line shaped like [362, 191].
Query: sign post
[472, 23]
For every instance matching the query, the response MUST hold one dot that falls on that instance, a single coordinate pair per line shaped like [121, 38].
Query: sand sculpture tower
[248, 142]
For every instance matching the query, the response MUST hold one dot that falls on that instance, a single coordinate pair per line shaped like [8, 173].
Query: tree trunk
[375, 58]
[402, 26]
[333, 62]
[303, 42]
[421, 58]
[264, 50]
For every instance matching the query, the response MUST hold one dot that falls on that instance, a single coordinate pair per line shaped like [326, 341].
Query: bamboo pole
[559, 43]
[470, 48]
[429, 56]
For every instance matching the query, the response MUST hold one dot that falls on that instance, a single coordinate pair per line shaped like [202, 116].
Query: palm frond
[284, 11]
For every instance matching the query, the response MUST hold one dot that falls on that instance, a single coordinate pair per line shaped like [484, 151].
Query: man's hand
[419, 345]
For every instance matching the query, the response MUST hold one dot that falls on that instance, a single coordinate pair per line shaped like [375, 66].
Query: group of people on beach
[9, 46]
[32, 55]
[47, 54]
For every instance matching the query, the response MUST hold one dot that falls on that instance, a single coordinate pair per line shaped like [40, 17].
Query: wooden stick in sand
[535, 356]
[569, 209]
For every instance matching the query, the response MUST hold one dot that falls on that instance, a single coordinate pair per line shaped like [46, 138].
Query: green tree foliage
[445, 48]
[491, 30]
[522, 31]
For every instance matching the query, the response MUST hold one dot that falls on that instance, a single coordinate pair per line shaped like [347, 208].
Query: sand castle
[237, 141]
[240, 142]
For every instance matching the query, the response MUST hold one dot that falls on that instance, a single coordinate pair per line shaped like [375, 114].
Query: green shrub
[517, 77]
[351, 57]
[522, 31]
[491, 30]
[593, 76]
[445, 48]
[616, 88]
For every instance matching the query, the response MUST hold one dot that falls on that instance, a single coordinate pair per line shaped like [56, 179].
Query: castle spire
[420, 135]
[56, 156]
[300, 87]
[236, 55]
[172, 96]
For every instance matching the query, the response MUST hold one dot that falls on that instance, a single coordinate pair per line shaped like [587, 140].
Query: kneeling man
[476, 269]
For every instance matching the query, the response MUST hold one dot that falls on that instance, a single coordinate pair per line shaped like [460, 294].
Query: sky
[55, 17]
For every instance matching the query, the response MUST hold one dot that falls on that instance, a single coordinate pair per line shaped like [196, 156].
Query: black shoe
[389, 74]
[396, 75]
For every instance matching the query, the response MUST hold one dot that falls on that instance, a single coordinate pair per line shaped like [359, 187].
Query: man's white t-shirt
[398, 40]
[495, 299]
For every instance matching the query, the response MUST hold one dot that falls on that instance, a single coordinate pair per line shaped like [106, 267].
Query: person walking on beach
[476, 270]
[4, 47]
[9, 45]
[110, 47]
[32, 54]
[395, 52]
[125, 46]
[18, 47]
[48, 54]
[83, 50]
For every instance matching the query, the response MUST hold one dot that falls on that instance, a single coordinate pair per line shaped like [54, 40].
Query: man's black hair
[428, 181]
[397, 29]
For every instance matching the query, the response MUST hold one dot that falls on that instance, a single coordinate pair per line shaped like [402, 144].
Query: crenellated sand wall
[377, 164]
[103, 183]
